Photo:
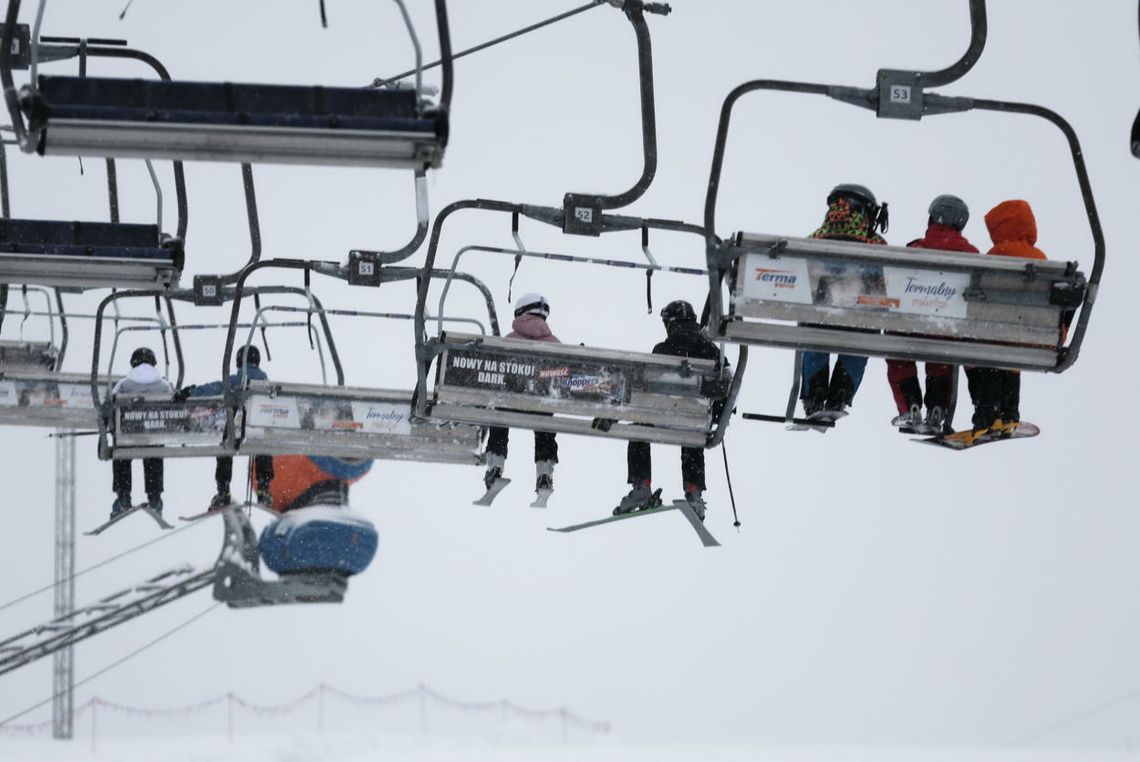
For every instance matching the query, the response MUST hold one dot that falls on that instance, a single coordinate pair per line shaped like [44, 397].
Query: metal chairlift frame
[50, 397]
[328, 138]
[235, 579]
[78, 269]
[411, 439]
[641, 370]
[172, 442]
[900, 95]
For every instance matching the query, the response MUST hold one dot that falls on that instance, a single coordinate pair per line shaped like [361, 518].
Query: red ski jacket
[945, 238]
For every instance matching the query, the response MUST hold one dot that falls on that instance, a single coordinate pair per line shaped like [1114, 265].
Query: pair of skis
[140, 508]
[163, 523]
[682, 506]
[540, 496]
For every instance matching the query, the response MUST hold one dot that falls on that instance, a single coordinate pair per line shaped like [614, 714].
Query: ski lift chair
[636, 396]
[208, 121]
[273, 418]
[801, 294]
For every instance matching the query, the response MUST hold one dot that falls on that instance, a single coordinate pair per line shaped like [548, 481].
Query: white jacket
[143, 379]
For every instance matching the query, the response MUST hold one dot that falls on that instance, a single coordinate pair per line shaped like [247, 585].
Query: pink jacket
[532, 327]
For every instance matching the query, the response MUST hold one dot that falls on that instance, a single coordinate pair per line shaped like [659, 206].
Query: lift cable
[104, 562]
[115, 663]
[382, 82]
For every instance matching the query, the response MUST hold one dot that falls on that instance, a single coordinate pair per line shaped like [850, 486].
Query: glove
[184, 393]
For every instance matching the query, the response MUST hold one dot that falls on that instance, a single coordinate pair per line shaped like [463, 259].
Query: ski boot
[122, 503]
[641, 498]
[694, 497]
[264, 498]
[495, 465]
[936, 422]
[221, 500]
[154, 502]
[909, 422]
[543, 483]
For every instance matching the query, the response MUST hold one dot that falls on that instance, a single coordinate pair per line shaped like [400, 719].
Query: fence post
[321, 708]
[230, 718]
[423, 708]
[94, 707]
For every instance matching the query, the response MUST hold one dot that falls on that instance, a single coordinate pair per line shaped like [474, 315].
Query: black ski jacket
[688, 340]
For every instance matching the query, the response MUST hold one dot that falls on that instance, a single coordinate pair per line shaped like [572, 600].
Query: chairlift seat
[574, 389]
[222, 121]
[27, 356]
[156, 427]
[44, 398]
[88, 254]
[348, 422]
[952, 307]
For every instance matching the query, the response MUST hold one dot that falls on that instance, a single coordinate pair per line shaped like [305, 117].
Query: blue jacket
[214, 388]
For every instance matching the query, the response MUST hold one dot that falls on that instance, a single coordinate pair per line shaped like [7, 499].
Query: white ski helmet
[532, 304]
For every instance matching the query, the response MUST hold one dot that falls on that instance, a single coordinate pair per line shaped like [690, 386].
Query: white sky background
[877, 593]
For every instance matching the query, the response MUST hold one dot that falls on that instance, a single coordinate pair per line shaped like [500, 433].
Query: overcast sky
[877, 591]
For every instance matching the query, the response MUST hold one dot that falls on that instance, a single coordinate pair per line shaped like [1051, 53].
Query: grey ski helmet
[949, 210]
[253, 356]
[143, 356]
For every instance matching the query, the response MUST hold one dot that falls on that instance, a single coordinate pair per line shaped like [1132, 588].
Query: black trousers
[545, 446]
[262, 467]
[640, 464]
[996, 394]
[152, 476]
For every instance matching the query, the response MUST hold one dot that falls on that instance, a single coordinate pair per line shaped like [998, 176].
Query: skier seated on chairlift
[853, 214]
[684, 338]
[996, 393]
[248, 362]
[531, 312]
[947, 217]
[142, 379]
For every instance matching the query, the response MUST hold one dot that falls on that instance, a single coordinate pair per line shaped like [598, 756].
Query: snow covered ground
[363, 747]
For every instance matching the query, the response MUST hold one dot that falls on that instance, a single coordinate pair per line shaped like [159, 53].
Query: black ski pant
[640, 464]
[545, 446]
[152, 476]
[996, 394]
[262, 467]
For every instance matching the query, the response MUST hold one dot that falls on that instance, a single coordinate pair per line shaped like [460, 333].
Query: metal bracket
[582, 214]
[208, 291]
[900, 94]
[363, 268]
[21, 46]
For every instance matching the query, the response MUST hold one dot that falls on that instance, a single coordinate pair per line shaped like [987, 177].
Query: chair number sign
[366, 268]
[584, 214]
[900, 93]
[210, 291]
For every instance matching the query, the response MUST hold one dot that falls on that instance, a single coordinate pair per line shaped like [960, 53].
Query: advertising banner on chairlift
[854, 286]
[384, 417]
[549, 377]
[173, 418]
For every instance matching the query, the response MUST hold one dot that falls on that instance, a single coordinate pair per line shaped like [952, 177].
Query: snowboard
[820, 421]
[970, 438]
[144, 507]
[493, 491]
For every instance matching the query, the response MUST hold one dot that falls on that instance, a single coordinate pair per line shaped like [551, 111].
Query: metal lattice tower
[63, 672]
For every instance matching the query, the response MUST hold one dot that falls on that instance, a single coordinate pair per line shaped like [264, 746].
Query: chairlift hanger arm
[955, 71]
[235, 312]
[405, 251]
